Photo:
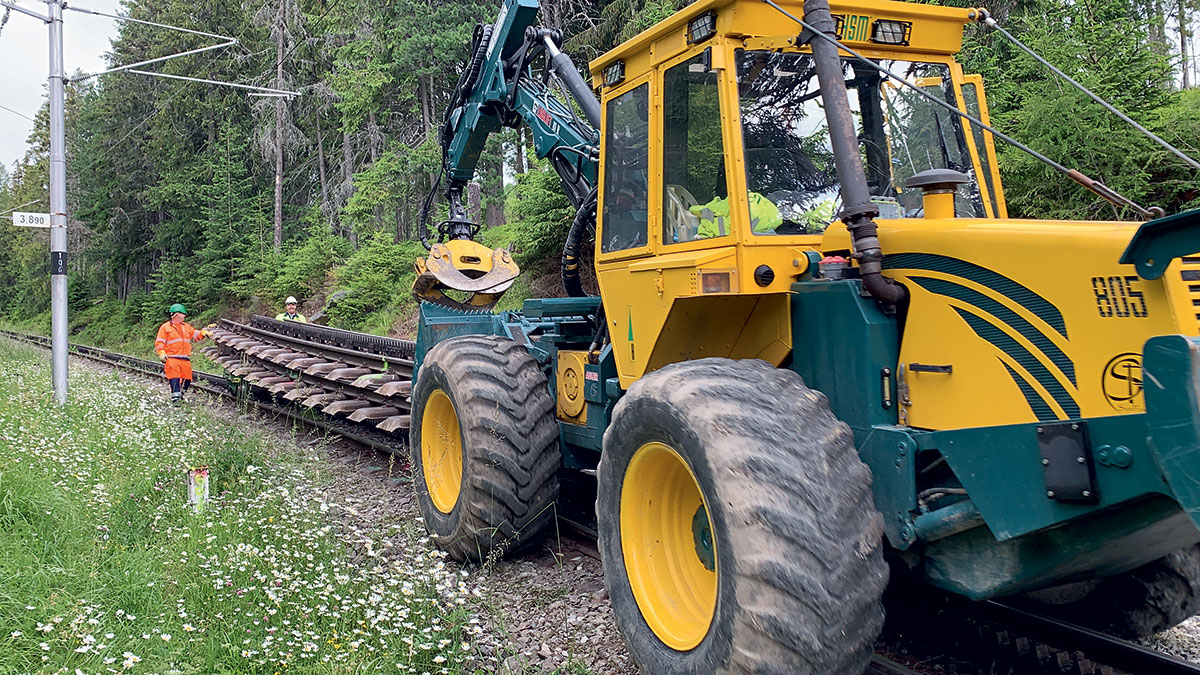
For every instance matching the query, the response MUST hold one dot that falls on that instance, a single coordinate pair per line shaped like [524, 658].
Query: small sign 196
[21, 219]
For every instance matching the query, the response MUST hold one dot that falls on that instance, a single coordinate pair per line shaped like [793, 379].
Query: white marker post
[197, 488]
[22, 219]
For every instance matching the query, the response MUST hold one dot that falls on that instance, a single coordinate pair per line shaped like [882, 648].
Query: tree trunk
[1184, 26]
[326, 207]
[495, 214]
[520, 168]
[423, 95]
[373, 135]
[348, 173]
[278, 242]
[1158, 25]
[475, 202]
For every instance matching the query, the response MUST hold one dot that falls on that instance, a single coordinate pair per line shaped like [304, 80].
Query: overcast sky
[25, 53]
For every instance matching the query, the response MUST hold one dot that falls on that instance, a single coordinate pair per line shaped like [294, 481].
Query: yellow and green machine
[819, 346]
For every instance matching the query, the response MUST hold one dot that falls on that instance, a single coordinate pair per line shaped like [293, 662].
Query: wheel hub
[668, 546]
[441, 451]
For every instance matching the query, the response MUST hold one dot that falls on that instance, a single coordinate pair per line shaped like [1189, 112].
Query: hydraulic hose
[480, 41]
[858, 212]
[585, 215]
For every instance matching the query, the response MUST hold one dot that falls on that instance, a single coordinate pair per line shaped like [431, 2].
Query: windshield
[789, 159]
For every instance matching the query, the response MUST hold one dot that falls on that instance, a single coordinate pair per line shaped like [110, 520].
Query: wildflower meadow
[107, 569]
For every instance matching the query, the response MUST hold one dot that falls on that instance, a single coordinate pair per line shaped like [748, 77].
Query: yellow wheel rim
[668, 546]
[441, 451]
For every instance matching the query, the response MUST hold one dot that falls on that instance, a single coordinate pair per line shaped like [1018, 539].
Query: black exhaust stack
[858, 212]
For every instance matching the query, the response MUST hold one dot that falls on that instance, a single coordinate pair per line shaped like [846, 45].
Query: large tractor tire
[1140, 602]
[484, 447]
[737, 526]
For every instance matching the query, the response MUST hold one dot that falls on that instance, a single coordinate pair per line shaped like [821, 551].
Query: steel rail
[1099, 647]
[349, 356]
[375, 344]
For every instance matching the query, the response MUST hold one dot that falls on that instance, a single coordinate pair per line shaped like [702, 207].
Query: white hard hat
[290, 301]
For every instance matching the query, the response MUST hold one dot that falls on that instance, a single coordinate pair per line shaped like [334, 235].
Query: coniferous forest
[185, 192]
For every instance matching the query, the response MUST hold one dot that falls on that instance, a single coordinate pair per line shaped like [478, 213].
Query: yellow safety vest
[714, 216]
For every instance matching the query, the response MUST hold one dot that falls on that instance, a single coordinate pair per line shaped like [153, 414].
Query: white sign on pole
[21, 219]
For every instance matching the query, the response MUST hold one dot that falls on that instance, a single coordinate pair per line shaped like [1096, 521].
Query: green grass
[106, 566]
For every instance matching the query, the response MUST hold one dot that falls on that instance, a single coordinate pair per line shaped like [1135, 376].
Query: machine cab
[716, 169]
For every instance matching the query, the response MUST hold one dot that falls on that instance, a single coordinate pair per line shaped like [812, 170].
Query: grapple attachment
[481, 274]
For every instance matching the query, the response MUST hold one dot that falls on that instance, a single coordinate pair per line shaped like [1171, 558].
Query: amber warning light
[715, 282]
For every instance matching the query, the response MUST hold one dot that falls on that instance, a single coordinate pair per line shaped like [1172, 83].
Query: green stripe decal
[1024, 358]
[1040, 408]
[1005, 315]
[1009, 288]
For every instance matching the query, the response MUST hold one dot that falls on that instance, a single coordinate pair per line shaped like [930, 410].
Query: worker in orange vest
[174, 349]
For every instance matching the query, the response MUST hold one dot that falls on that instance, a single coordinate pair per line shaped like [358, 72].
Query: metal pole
[58, 208]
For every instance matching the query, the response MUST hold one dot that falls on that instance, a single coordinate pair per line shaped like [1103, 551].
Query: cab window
[790, 170]
[971, 97]
[626, 159]
[695, 196]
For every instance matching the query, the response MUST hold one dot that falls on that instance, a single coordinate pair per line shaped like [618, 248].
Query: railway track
[324, 369]
[358, 386]
[1005, 638]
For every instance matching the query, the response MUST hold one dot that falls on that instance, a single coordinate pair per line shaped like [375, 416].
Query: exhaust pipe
[858, 213]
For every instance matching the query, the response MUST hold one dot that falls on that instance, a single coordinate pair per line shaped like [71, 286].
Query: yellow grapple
[479, 273]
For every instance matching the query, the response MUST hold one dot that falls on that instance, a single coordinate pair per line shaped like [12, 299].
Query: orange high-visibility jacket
[176, 340]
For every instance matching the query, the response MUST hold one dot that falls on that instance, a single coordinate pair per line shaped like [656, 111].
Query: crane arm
[500, 88]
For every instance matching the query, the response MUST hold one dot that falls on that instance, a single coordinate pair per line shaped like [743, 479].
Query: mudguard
[1171, 379]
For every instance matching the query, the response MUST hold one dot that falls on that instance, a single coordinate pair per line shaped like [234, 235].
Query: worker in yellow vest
[714, 216]
[290, 314]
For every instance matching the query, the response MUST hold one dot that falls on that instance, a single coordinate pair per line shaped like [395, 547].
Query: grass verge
[107, 569]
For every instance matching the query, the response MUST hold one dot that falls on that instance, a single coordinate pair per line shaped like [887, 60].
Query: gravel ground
[545, 612]
[1182, 641]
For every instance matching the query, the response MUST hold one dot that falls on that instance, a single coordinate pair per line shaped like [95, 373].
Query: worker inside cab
[173, 345]
[696, 195]
[290, 313]
[714, 216]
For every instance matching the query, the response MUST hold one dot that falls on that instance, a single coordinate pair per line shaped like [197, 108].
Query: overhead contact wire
[987, 20]
[1096, 187]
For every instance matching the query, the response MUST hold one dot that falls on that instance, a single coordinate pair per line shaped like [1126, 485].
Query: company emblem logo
[1122, 383]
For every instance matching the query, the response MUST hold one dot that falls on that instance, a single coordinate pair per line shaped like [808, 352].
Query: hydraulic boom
[501, 88]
